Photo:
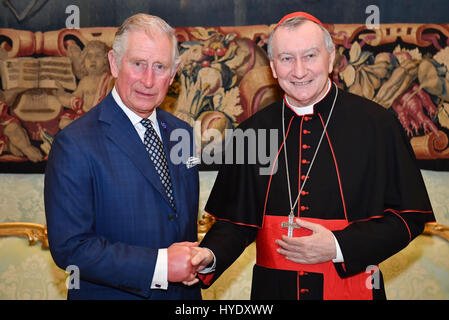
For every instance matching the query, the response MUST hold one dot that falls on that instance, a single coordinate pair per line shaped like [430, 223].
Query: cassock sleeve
[232, 202]
[227, 241]
[239, 191]
[235, 201]
[406, 207]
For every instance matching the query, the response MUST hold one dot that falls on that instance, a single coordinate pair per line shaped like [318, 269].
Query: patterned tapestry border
[50, 79]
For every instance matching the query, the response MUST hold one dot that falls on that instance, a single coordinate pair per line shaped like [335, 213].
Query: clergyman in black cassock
[364, 186]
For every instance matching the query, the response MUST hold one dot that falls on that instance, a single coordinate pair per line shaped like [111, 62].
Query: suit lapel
[119, 129]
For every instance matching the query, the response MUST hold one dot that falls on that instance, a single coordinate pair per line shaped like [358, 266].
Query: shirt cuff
[339, 258]
[211, 268]
[160, 271]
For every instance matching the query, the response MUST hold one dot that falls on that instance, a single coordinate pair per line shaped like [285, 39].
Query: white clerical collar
[301, 111]
[134, 118]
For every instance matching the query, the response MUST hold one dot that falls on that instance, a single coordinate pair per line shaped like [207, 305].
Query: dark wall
[50, 14]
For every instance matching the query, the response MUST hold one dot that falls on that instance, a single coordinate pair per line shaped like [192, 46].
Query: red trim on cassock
[300, 167]
[228, 220]
[392, 210]
[297, 286]
[408, 211]
[406, 225]
[366, 219]
[398, 213]
[334, 287]
[274, 165]
[336, 169]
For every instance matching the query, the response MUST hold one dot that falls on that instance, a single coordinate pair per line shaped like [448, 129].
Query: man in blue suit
[111, 211]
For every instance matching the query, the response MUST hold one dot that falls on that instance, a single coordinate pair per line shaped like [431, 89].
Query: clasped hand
[317, 248]
[185, 260]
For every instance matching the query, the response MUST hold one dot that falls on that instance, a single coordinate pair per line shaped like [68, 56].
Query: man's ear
[174, 73]
[331, 61]
[273, 71]
[113, 63]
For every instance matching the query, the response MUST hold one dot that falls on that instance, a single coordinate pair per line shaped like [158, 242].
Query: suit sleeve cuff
[160, 271]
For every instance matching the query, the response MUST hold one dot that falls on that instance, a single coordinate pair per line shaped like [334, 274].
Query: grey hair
[147, 23]
[293, 23]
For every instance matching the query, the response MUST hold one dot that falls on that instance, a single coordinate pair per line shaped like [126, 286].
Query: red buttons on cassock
[304, 161]
[304, 208]
[304, 290]
[303, 177]
[304, 193]
[305, 131]
[305, 146]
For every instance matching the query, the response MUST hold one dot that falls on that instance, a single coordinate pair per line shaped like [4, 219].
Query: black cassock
[364, 185]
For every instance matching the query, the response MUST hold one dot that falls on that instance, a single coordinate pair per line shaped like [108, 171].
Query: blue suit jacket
[107, 211]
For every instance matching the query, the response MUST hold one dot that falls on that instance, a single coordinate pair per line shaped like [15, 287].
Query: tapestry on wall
[50, 79]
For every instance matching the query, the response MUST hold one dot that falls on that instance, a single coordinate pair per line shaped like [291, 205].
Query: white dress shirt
[159, 280]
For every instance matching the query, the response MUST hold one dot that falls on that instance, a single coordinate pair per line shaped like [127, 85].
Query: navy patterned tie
[157, 155]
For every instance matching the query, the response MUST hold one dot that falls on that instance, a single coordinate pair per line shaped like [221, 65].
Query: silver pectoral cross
[290, 225]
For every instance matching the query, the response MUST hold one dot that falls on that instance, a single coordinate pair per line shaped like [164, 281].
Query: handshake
[185, 260]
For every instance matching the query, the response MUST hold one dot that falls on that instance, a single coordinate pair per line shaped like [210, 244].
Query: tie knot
[146, 123]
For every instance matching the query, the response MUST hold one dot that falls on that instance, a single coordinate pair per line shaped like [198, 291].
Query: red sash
[335, 288]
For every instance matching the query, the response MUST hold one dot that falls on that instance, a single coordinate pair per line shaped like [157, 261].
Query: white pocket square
[192, 161]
